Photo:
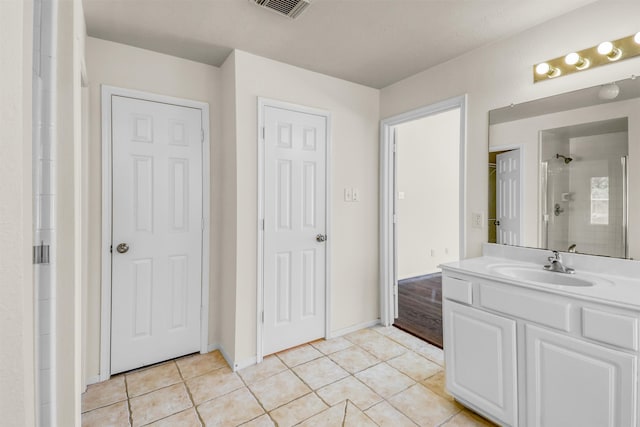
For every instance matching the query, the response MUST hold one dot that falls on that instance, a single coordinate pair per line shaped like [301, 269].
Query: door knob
[497, 222]
[122, 248]
[321, 238]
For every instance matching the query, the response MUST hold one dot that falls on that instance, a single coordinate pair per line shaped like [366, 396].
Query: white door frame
[262, 103]
[105, 315]
[521, 171]
[388, 274]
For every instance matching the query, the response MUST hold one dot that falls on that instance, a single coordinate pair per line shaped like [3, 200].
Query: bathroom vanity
[528, 347]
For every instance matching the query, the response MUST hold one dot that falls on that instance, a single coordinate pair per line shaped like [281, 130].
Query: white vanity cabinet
[534, 358]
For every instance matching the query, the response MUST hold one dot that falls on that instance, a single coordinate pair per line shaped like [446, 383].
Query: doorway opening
[422, 200]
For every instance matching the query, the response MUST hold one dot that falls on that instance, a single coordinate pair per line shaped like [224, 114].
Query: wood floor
[420, 307]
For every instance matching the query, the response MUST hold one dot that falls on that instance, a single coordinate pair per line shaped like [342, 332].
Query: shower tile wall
[569, 186]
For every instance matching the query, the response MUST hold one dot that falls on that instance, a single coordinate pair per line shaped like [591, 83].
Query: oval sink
[542, 276]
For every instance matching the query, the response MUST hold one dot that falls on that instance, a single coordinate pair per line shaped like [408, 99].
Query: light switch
[400, 195]
[356, 195]
[348, 195]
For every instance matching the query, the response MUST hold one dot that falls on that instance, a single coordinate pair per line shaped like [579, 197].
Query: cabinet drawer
[457, 289]
[610, 328]
[527, 305]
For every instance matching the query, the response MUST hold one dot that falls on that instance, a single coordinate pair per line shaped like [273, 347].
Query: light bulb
[543, 68]
[609, 91]
[574, 59]
[636, 38]
[608, 49]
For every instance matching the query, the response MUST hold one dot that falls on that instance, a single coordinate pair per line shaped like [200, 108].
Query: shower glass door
[583, 174]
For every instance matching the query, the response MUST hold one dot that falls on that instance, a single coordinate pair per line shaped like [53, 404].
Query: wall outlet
[476, 219]
[400, 195]
[348, 195]
[356, 194]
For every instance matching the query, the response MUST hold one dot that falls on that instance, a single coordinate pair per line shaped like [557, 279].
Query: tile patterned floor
[372, 377]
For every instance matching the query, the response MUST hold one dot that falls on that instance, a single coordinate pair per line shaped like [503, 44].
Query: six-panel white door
[508, 197]
[157, 214]
[294, 227]
[575, 383]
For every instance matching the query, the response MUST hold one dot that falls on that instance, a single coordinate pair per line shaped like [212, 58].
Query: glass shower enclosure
[583, 200]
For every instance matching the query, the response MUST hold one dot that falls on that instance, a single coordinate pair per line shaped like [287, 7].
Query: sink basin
[542, 276]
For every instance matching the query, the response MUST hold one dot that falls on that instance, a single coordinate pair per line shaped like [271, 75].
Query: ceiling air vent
[290, 8]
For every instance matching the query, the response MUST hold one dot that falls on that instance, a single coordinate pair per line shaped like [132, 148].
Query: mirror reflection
[560, 173]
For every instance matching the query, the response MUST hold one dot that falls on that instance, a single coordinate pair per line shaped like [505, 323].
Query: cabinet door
[575, 383]
[480, 353]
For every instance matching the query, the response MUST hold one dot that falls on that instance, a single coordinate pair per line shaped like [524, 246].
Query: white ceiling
[372, 42]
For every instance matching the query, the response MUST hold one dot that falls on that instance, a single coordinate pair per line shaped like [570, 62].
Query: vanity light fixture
[607, 52]
[576, 60]
[610, 51]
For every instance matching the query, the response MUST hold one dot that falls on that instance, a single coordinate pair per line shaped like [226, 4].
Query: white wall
[525, 132]
[124, 66]
[428, 159]
[501, 74]
[354, 163]
[17, 398]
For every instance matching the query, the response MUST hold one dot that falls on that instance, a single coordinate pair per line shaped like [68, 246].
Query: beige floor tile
[423, 406]
[384, 330]
[320, 372]
[349, 389]
[332, 345]
[423, 348]
[383, 348]
[298, 355]
[270, 366]
[188, 418]
[146, 380]
[112, 415]
[279, 389]
[386, 415]
[213, 384]
[231, 409]
[261, 421]
[385, 380]
[354, 417]
[362, 336]
[299, 410]
[437, 384]
[198, 364]
[354, 359]
[468, 419]
[415, 366]
[332, 417]
[104, 393]
[159, 404]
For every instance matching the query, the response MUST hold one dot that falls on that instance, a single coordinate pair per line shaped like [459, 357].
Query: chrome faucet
[556, 264]
[572, 249]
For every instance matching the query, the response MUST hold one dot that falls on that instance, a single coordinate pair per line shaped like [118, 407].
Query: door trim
[520, 148]
[262, 103]
[388, 274]
[105, 314]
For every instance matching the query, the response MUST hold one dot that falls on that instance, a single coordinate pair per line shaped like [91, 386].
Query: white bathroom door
[295, 153]
[508, 176]
[156, 232]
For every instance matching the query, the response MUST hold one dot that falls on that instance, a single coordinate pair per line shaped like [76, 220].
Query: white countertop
[615, 286]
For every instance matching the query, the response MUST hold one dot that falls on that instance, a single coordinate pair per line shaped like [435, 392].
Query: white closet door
[508, 197]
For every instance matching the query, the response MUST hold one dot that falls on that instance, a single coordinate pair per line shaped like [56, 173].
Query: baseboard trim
[245, 363]
[93, 380]
[345, 331]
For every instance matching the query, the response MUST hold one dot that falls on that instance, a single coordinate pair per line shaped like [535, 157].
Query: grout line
[126, 390]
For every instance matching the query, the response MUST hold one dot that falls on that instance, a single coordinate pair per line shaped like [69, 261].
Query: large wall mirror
[564, 172]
